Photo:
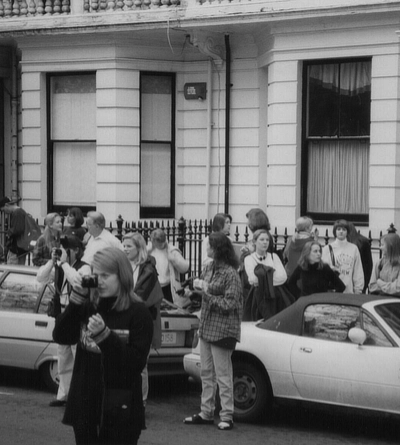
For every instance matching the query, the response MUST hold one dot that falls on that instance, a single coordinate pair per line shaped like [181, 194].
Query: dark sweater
[306, 282]
[117, 362]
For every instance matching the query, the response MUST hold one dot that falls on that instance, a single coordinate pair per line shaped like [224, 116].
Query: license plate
[168, 338]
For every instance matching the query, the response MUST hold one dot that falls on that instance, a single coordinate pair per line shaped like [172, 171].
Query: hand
[54, 256]
[96, 324]
[200, 285]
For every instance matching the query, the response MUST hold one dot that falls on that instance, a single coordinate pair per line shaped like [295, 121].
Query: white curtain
[350, 78]
[338, 177]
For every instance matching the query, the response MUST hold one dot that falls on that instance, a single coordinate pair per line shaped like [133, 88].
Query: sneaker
[196, 419]
[225, 425]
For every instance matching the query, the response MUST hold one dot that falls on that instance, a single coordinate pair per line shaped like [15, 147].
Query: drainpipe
[14, 127]
[209, 137]
[227, 118]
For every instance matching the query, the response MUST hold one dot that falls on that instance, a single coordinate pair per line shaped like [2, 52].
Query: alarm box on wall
[195, 90]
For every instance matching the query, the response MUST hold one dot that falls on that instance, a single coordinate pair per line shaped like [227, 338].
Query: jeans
[216, 368]
[66, 358]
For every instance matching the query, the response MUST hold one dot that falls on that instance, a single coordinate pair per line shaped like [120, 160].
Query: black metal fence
[188, 235]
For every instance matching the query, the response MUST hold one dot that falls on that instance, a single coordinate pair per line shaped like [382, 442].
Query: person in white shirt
[261, 241]
[70, 261]
[99, 236]
[344, 258]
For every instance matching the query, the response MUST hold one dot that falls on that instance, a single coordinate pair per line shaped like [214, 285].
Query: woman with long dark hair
[75, 222]
[113, 330]
[49, 240]
[220, 223]
[385, 277]
[221, 315]
[312, 275]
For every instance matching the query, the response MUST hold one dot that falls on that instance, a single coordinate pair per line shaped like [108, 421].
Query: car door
[327, 367]
[24, 333]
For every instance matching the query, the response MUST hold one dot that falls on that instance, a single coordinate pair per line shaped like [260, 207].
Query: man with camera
[66, 262]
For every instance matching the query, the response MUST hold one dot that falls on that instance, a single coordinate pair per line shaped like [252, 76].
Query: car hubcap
[245, 392]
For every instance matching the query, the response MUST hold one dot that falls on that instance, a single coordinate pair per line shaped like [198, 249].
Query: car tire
[49, 374]
[252, 393]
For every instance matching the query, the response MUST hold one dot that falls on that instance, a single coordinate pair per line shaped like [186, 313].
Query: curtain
[348, 78]
[338, 177]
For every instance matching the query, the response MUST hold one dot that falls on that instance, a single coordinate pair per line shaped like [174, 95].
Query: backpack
[31, 233]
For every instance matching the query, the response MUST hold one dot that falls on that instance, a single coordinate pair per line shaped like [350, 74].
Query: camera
[89, 281]
[58, 252]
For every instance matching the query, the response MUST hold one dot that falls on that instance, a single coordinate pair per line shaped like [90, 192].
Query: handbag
[156, 295]
[31, 233]
[117, 416]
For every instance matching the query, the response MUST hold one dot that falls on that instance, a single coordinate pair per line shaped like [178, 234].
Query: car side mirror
[357, 335]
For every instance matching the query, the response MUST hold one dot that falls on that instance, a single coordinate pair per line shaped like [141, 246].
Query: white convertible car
[26, 331]
[338, 349]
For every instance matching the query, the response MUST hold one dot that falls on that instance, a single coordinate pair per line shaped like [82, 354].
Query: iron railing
[188, 235]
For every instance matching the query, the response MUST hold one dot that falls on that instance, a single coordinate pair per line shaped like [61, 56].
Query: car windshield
[390, 312]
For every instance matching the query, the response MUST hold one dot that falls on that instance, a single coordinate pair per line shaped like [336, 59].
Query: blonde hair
[114, 261]
[140, 244]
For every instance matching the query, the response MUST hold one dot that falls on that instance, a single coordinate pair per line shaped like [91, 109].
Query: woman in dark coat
[145, 279]
[113, 330]
[312, 276]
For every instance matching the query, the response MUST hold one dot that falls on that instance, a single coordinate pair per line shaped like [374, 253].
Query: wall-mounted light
[196, 90]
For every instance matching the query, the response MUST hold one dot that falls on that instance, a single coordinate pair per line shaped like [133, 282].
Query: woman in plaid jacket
[221, 314]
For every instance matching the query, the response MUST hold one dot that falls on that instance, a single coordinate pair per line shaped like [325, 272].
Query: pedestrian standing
[344, 257]
[113, 329]
[385, 279]
[221, 314]
[313, 276]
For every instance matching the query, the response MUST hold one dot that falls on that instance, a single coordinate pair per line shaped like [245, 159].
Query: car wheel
[251, 389]
[49, 373]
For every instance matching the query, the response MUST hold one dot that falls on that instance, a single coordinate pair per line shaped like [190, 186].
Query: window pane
[338, 176]
[375, 337]
[156, 108]
[19, 293]
[391, 314]
[155, 175]
[73, 107]
[339, 98]
[355, 98]
[330, 321]
[74, 173]
[323, 102]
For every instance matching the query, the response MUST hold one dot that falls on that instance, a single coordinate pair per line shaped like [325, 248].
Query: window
[330, 321]
[375, 336]
[335, 161]
[19, 293]
[157, 146]
[72, 141]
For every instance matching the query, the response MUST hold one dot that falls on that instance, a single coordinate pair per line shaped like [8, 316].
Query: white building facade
[101, 109]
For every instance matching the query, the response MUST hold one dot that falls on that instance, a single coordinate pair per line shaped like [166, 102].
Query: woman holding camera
[50, 239]
[113, 330]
